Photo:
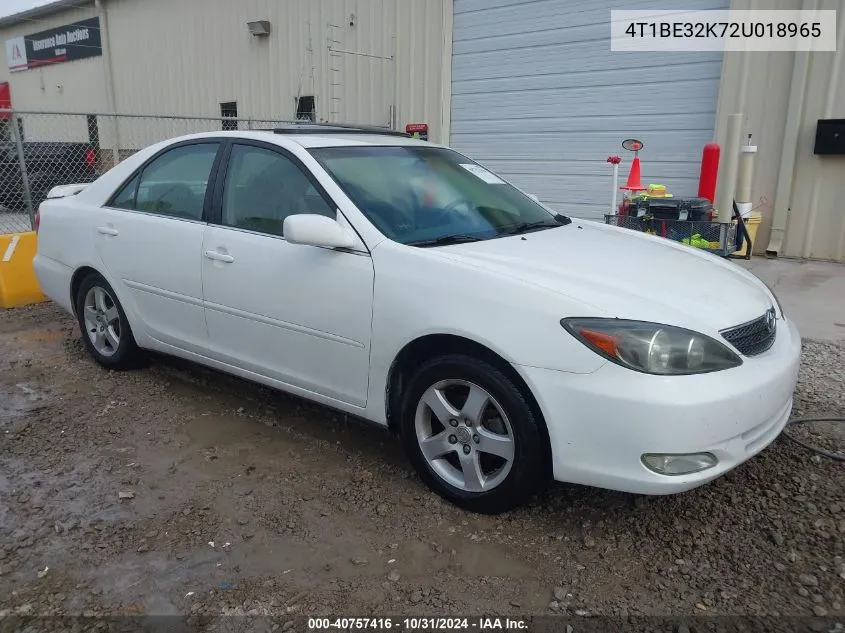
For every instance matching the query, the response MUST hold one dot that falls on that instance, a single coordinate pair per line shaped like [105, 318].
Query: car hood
[620, 273]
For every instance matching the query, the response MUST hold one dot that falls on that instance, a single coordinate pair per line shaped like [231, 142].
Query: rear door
[149, 237]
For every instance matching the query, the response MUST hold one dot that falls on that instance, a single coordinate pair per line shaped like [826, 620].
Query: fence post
[27, 194]
[115, 152]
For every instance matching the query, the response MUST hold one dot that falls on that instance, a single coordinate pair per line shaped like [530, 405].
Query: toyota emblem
[770, 320]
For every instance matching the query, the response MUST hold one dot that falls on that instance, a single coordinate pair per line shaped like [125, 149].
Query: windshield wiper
[445, 240]
[525, 227]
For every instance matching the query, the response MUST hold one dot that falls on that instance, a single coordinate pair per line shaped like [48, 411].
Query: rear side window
[125, 198]
[174, 184]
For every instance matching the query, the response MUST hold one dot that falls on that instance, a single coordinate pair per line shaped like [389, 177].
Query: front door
[149, 237]
[298, 314]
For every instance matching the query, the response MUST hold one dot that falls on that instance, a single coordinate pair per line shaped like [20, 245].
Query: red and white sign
[417, 130]
[16, 54]
[54, 46]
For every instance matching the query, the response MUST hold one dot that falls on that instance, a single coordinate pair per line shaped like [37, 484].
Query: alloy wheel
[464, 435]
[102, 321]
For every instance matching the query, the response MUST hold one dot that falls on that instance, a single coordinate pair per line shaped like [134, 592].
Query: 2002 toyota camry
[401, 282]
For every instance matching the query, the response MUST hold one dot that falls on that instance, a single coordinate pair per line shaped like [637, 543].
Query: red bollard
[709, 170]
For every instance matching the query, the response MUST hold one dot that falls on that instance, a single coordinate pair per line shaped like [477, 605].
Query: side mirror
[316, 230]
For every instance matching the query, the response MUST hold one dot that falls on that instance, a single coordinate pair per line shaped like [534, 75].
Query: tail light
[90, 158]
[36, 222]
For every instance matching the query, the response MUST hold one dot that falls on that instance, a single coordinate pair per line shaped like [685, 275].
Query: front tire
[104, 326]
[471, 435]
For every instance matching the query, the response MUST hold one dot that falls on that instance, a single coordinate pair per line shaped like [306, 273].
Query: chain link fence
[40, 150]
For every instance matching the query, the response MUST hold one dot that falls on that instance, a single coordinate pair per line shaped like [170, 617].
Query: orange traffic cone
[634, 183]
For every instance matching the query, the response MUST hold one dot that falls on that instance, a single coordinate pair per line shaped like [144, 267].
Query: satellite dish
[632, 145]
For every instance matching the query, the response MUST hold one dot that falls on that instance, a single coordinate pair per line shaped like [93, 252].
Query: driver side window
[263, 187]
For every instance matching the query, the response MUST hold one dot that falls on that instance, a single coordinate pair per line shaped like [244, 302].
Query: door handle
[107, 230]
[219, 257]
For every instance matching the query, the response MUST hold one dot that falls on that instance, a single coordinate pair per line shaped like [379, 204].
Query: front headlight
[652, 348]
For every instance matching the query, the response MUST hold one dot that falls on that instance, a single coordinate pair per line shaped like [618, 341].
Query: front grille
[754, 337]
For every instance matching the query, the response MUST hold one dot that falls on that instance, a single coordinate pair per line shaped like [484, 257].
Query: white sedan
[401, 282]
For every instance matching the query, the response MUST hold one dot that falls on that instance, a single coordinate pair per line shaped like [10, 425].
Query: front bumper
[600, 424]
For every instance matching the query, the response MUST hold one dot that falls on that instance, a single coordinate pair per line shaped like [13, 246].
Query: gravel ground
[177, 490]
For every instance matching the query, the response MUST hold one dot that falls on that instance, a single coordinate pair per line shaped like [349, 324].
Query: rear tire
[105, 329]
[471, 435]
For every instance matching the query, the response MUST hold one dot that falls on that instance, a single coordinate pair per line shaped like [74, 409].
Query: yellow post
[18, 284]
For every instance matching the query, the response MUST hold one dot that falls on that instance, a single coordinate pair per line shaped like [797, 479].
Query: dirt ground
[176, 490]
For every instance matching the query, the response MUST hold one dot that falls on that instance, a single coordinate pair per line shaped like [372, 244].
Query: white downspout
[446, 74]
[745, 177]
[726, 183]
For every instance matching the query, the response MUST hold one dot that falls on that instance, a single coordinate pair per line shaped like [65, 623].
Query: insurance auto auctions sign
[61, 44]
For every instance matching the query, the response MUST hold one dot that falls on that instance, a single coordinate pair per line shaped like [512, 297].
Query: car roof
[340, 140]
[312, 140]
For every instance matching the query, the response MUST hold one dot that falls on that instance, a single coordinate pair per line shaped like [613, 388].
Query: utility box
[830, 137]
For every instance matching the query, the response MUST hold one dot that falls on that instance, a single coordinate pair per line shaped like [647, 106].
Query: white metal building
[538, 95]
[367, 61]
[528, 87]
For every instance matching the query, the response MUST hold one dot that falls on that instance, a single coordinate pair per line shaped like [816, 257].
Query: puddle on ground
[19, 399]
[147, 583]
[153, 580]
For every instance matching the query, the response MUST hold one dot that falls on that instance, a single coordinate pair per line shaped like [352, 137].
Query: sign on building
[53, 46]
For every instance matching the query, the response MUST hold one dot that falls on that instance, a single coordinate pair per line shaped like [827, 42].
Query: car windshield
[430, 196]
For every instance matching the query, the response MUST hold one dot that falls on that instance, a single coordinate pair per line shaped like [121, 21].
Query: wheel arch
[431, 346]
[76, 281]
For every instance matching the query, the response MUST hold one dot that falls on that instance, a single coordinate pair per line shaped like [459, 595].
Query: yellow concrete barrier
[18, 285]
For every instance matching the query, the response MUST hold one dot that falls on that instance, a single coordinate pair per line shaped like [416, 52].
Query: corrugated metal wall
[538, 96]
[816, 222]
[798, 193]
[202, 56]
[186, 57]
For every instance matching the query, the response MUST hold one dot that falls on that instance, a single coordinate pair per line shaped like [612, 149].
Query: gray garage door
[538, 97]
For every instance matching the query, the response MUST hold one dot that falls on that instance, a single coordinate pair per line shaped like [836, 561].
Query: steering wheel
[464, 220]
[452, 206]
